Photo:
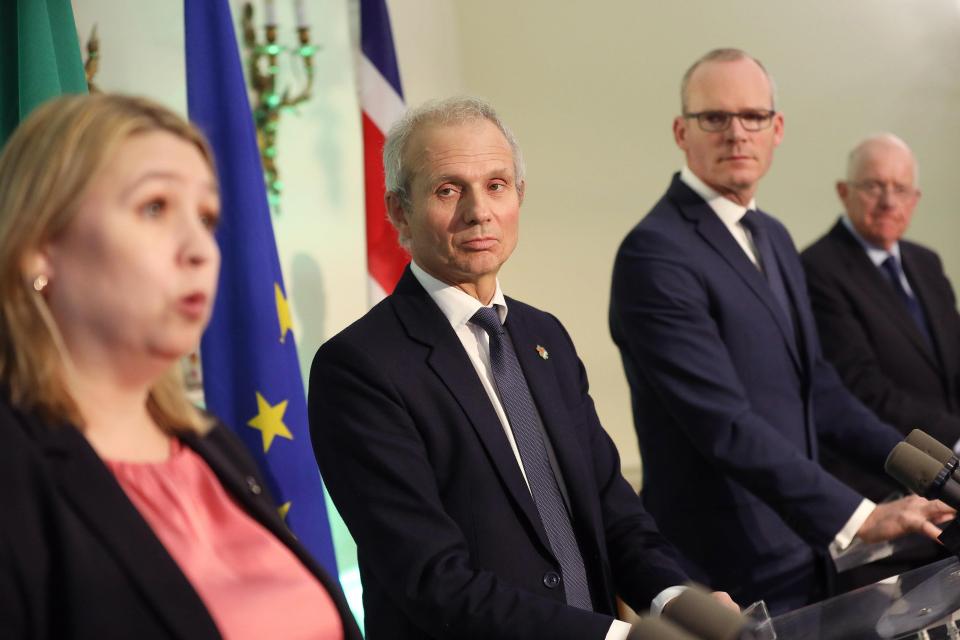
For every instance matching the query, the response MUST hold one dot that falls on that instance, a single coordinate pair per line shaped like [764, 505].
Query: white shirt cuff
[663, 598]
[619, 630]
[846, 535]
[956, 448]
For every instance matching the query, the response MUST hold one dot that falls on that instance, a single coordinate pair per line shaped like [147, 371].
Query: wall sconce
[92, 63]
[268, 101]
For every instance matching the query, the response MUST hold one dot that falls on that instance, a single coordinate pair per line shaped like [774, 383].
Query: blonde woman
[126, 512]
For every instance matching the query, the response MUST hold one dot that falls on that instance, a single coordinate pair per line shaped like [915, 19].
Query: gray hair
[858, 152]
[449, 111]
[727, 54]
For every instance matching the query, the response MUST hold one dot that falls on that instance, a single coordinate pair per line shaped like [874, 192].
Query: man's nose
[476, 207]
[736, 130]
[887, 197]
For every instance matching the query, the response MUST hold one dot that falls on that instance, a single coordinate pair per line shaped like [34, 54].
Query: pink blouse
[251, 583]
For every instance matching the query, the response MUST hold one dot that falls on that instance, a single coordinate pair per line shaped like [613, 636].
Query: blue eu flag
[251, 375]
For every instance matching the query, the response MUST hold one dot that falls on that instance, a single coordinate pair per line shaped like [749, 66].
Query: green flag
[39, 57]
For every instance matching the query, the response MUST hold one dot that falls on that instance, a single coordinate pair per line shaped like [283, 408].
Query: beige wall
[590, 89]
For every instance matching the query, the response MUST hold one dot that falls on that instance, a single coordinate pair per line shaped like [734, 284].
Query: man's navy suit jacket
[869, 336]
[415, 458]
[729, 401]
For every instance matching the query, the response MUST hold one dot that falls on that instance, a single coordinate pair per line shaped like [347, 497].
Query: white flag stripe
[375, 292]
[377, 98]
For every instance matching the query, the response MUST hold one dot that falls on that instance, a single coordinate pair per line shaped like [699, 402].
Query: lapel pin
[543, 352]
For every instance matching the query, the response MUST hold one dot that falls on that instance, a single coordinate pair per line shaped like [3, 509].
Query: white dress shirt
[878, 256]
[731, 214]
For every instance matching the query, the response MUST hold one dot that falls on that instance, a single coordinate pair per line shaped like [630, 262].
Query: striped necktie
[528, 432]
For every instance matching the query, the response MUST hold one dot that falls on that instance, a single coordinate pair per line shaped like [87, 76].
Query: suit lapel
[716, 234]
[99, 501]
[792, 273]
[214, 450]
[424, 322]
[931, 305]
[876, 286]
[238, 485]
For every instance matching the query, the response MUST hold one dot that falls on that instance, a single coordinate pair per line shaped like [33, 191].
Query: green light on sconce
[268, 103]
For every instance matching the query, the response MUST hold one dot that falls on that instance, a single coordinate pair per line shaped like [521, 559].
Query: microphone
[698, 613]
[933, 448]
[923, 474]
[658, 629]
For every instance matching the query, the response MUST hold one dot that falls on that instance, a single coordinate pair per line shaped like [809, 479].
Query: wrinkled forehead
[729, 85]
[885, 161]
[437, 149]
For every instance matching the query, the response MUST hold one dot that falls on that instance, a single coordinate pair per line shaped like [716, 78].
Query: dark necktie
[892, 268]
[528, 432]
[753, 221]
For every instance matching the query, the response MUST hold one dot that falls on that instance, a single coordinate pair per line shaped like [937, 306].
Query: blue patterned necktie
[753, 221]
[528, 432]
[892, 268]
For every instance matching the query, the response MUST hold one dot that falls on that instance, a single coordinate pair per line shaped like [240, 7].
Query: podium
[917, 604]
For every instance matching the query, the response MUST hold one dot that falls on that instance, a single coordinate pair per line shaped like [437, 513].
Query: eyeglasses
[874, 189]
[751, 120]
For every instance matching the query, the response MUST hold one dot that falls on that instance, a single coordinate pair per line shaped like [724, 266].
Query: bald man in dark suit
[731, 395]
[884, 308]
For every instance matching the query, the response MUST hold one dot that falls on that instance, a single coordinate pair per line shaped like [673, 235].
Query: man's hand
[701, 597]
[911, 514]
[724, 598]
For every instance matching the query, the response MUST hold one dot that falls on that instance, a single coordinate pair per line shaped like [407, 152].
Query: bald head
[726, 54]
[878, 144]
[880, 191]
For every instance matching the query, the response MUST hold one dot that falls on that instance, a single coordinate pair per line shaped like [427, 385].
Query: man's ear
[397, 214]
[842, 190]
[680, 132]
[521, 189]
[779, 125]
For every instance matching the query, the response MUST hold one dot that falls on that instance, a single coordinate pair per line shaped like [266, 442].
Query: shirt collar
[875, 253]
[457, 305]
[727, 210]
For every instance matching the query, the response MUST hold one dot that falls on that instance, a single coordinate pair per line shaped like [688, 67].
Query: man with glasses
[885, 311]
[730, 393]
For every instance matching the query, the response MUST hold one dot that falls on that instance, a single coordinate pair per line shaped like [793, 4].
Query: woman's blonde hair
[46, 166]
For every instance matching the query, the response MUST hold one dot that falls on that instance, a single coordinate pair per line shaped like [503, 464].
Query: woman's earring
[40, 283]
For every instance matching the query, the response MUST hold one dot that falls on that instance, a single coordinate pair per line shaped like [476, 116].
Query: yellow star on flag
[269, 421]
[284, 509]
[283, 312]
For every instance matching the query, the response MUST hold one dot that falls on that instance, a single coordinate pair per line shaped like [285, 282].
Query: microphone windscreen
[930, 446]
[912, 468]
[658, 629]
[701, 615]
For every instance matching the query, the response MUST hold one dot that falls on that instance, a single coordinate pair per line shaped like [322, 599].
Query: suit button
[253, 485]
[551, 579]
